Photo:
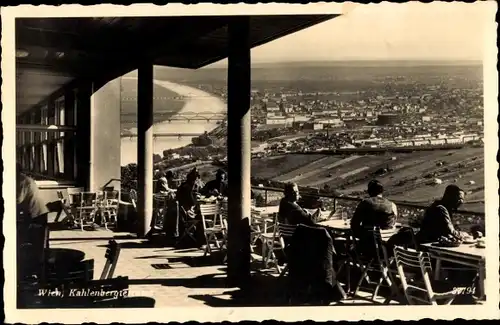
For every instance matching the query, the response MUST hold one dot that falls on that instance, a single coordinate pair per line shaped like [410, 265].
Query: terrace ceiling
[52, 52]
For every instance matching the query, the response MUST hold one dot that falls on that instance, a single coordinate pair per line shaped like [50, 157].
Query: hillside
[164, 104]
[409, 177]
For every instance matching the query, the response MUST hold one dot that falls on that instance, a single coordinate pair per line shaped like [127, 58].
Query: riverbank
[195, 100]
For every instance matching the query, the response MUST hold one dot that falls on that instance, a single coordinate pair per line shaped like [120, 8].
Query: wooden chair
[86, 208]
[66, 207]
[414, 269]
[159, 212]
[189, 226]
[376, 261]
[109, 208]
[213, 226]
[381, 264]
[276, 241]
[112, 254]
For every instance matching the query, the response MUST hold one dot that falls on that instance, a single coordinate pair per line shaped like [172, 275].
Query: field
[164, 104]
[406, 177]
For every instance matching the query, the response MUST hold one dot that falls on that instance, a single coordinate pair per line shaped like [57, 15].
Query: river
[196, 100]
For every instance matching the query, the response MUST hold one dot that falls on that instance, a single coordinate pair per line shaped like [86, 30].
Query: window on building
[43, 160]
[45, 121]
[59, 157]
[32, 162]
[60, 112]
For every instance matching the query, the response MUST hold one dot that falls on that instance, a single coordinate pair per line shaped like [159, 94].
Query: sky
[405, 31]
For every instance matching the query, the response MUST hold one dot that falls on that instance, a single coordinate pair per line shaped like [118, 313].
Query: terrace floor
[176, 277]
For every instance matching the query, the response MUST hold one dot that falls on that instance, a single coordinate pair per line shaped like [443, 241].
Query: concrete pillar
[105, 142]
[145, 148]
[83, 135]
[239, 152]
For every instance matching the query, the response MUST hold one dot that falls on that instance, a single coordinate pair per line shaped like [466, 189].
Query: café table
[264, 215]
[465, 254]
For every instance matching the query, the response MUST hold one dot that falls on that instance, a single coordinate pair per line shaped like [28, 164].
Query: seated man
[163, 183]
[437, 219]
[218, 186]
[290, 212]
[375, 211]
[187, 195]
[31, 223]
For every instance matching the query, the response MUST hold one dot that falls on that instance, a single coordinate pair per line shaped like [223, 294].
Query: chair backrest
[285, 230]
[112, 254]
[212, 212]
[210, 209]
[88, 199]
[413, 264]
[380, 250]
[111, 194]
[159, 201]
[100, 196]
[412, 235]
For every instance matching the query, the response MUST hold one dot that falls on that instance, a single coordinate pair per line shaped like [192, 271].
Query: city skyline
[436, 31]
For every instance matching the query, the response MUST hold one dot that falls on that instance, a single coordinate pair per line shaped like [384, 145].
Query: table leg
[437, 272]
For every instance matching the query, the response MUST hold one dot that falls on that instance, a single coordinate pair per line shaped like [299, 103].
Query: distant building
[273, 107]
[437, 141]
[330, 121]
[312, 126]
[426, 118]
[388, 119]
[276, 120]
[301, 118]
[453, 140]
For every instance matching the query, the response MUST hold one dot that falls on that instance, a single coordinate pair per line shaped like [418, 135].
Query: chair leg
[283, 272]
[105, 219]
[377, 288]
[364, 276]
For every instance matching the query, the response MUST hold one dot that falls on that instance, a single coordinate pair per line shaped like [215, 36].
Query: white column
[239, 152]
[145, 148]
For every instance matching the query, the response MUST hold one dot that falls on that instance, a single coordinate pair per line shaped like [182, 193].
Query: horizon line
[357, 60]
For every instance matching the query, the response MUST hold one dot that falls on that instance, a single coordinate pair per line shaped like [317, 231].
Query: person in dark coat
[311, 257]
[187, 197]
[374, 211]
[290, 212]
[218, 186]
[437, 219]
